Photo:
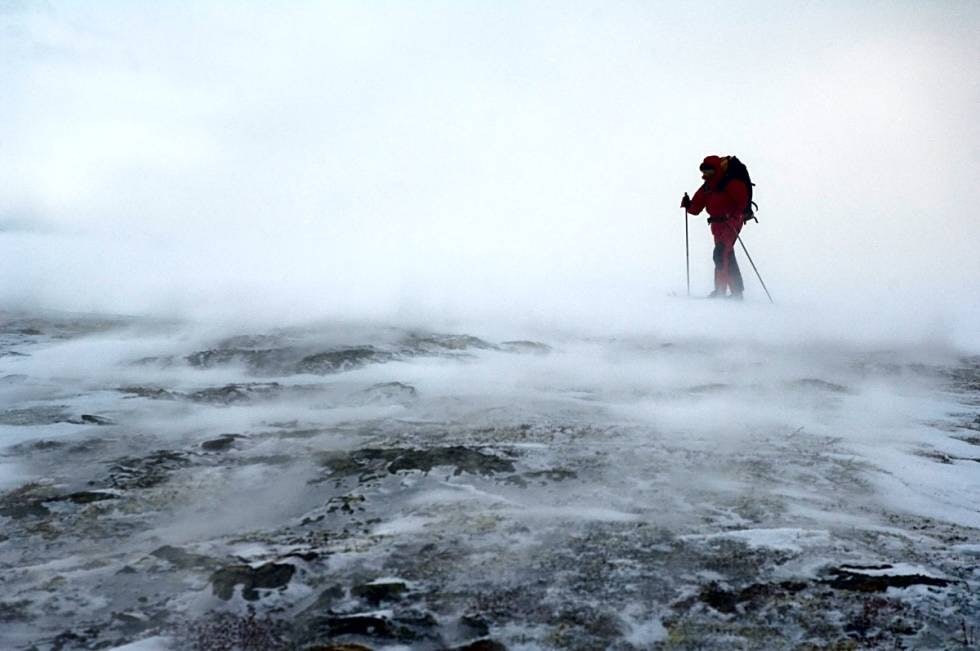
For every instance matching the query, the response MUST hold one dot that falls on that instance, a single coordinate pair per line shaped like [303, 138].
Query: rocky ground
[375, 488]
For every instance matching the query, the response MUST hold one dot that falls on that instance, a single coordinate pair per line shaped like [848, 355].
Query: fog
[490, 163]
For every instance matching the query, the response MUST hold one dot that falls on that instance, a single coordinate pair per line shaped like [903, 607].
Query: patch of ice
[968, 548]
[399, 526]
[645, 634]
[897, 569]
[787, 539]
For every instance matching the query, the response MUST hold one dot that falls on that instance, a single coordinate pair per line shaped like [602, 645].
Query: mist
[493, 163]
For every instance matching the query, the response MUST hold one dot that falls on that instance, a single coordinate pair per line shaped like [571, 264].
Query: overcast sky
[379, 158]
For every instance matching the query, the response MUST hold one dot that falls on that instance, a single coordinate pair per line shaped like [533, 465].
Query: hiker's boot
[718, 293]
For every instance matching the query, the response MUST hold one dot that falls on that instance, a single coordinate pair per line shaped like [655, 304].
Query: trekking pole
[758, 275]
[687, 249]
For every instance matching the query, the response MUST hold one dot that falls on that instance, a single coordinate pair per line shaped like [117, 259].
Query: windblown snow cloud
[452, 159]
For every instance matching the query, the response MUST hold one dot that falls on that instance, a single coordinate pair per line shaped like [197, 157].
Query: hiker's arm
[697, 201]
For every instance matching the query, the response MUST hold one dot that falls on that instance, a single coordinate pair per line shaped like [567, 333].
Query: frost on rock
[350, 488]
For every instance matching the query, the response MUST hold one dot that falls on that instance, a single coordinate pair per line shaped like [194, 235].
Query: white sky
[378, 158]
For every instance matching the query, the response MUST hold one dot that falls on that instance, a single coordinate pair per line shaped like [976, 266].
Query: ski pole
[756, 270]
[687, 249]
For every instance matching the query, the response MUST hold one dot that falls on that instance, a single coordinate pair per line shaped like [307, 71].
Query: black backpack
[736, 170]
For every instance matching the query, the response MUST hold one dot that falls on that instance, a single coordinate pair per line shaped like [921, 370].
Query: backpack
[736, 170]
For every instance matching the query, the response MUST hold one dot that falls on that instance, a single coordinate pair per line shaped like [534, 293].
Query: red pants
[727, 274]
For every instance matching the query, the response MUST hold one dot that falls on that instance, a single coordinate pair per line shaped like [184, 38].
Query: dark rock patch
[220, 444]
[91, 419]
[18, 510]
[269, 576]
[525, 347]
[155, 393]
[42, 445]
[147, 472]
[822, 385]
[437, 342]
[226, 631]
[236, 393]
[369, 461]
[385, 393]
[462, 458]
[481, 645]
[34, 416]
[709, 388]
[15, 611]
[183, 559]
[857, 578]
[552, 475]
[751, 597]
[266, 361]
[345, 503]
[379, 592]
[403, 626]
[344, 359]
[12, 353]
[26, 502]
[84, 497]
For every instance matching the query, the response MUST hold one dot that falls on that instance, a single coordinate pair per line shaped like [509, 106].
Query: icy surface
[397, 488]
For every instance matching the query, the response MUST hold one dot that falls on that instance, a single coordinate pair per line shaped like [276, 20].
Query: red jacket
[728, 204]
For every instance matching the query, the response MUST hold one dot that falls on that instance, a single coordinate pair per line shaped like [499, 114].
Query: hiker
[727, 201]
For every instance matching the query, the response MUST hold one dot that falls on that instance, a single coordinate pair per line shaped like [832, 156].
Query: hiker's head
[712, 168]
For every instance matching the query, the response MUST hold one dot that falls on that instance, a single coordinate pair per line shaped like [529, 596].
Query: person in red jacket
[726, 202]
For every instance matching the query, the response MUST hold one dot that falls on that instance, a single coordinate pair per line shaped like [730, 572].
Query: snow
[155, 643]
[788, 539]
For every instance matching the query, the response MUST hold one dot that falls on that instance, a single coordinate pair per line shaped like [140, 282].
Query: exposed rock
[220, 631]
[714, 387]
[481, 645]
[147, 472]
[817, 383]
[183, 559]
[404, 626]
[12, 353]
[15, 611]
[524, 347]
[751, 597]
[393, 460]
[377, 592]
[223, 442]
[861, 579]
[90, 419]
[344, 359]
[374, 626]
[156, 393]
[236, 393]
[84, 497]
[435, 342]
[268, 576]
[267, 361]
[41, 445]
[385, 394]
[462, 458]
[34, 416]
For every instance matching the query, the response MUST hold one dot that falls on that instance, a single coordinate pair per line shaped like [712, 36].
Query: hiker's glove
[686, 201]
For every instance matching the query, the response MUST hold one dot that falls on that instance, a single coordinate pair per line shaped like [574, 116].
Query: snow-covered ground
[400, 488]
